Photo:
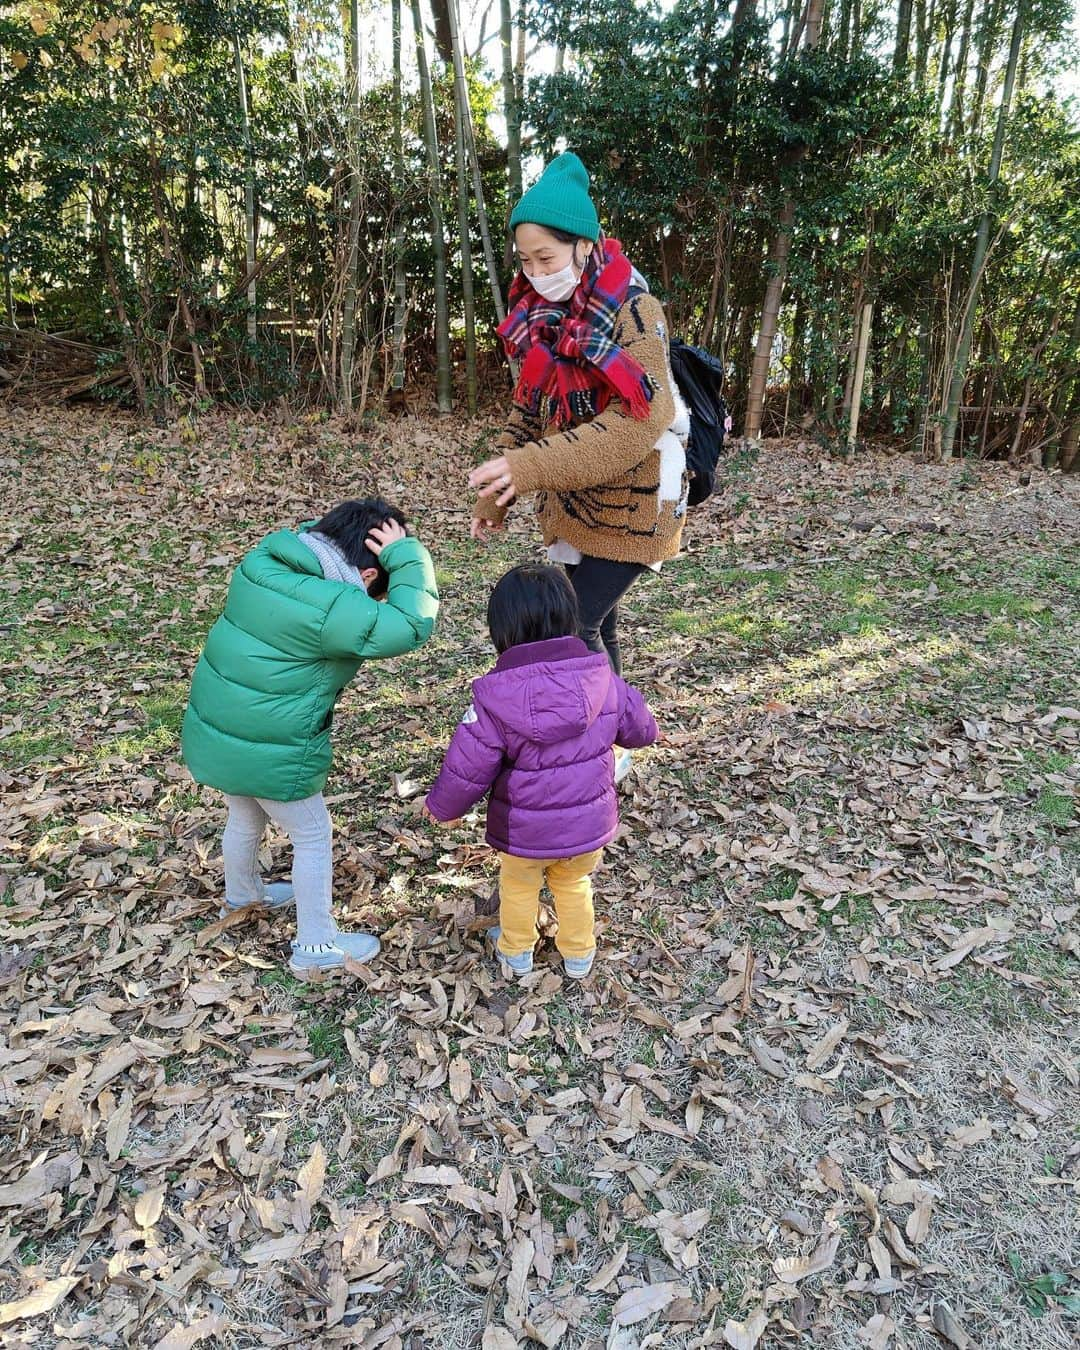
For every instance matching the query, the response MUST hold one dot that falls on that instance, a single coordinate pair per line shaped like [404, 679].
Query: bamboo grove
[870, 211]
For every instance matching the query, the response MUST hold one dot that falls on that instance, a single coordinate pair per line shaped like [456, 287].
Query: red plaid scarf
[567, 350]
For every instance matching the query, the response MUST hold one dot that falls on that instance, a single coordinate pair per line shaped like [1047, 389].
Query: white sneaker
[624, 762]
[306, 962]
[276, 895]
[578, 967]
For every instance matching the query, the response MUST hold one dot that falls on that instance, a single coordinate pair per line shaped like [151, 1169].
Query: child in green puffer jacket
[305, 609]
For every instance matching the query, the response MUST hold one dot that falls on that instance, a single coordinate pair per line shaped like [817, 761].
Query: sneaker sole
[315, 974]
[257, 904]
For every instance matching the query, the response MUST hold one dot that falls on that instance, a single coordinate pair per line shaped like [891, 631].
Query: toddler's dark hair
[349, 523]
[529, 604]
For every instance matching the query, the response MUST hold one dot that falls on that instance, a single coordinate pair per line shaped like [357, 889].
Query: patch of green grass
[23, 748]
[766, 931]
[134, 745]
[860, 910]
[996, 604]
[856, 622]
[326, 1040]
[1055, 807]
[1049, 1291]
[165, 707]
[279, 978]
[744, 625]
[642, 1241]
[1035, 957]
[172, 1066]
[770, 579]
[987, 997]
[782, 885]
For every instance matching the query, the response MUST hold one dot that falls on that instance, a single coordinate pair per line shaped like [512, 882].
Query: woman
[597, 430]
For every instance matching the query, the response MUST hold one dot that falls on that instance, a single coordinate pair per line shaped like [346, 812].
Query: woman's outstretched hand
[481, 525]
[495, 479]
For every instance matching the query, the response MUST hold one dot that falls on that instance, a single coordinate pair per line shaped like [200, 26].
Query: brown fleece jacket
[599, 482]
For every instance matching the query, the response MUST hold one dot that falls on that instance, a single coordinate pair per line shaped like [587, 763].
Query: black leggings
[599, 585]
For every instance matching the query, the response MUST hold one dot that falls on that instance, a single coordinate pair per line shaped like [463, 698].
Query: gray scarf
[335, 566]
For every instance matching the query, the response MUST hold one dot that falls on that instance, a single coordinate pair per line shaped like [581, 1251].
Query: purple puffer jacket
[538, 737]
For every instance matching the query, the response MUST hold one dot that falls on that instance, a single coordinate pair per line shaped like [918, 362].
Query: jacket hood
[547, 691]
[286, 546]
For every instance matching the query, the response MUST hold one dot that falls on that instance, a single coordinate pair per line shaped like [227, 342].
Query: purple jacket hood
[537, 740]
[548, 691]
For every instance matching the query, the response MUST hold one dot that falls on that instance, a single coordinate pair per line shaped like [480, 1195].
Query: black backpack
[700, 377]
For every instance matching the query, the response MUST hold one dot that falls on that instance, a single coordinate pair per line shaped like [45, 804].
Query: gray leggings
[307, 823]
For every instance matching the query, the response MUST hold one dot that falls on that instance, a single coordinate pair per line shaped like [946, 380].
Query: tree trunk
[466, 258]
[249, 188]
[1068, 459]
[770, 316]
[172, 257]
[860, 374]
[352, 250]
[444, 378]
[397, 375]
[770, 310]
[945, 61]
[987, 41]
[100, 211]
[923, 24]
[469, 142]
[956, 116]
[1059, 408]
[982, 239]
[903, 38]
[511, 111]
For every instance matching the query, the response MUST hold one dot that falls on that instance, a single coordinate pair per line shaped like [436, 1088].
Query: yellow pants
[570, 882]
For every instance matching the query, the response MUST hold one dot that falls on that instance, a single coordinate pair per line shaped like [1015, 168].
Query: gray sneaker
[513, 967]
[307, 962]
[276, 895]
[578, 967]
[510, 966]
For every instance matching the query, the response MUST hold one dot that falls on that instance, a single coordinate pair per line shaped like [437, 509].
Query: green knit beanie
[560, 199]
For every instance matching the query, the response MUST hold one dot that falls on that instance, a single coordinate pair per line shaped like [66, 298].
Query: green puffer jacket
[263, 693]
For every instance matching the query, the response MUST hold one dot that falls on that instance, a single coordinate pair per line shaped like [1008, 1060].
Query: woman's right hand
[481, 525]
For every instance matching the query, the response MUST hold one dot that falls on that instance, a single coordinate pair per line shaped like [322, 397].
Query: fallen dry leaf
[745, 1335]
[767, 1058]
[43, 1300]
[148, 1207]
[608, 1270]
[183, 1338]
[823, 1048]
[642, 1301]
[792, 1269]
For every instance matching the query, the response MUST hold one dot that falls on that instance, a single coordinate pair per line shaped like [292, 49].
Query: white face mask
[557, 286]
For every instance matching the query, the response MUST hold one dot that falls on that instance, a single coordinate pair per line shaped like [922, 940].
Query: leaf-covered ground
[822, 1088]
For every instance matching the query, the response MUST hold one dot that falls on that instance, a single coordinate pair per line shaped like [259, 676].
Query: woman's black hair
[349, 523]
[563, 236]
[529, 604]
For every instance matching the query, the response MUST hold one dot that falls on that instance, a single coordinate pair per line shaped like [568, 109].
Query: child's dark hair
[530, 603]
[349, 523]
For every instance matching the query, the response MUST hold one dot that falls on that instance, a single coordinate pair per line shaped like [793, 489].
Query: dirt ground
[822, 1088]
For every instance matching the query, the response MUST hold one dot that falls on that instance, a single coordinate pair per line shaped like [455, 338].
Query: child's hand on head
[382, 536]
